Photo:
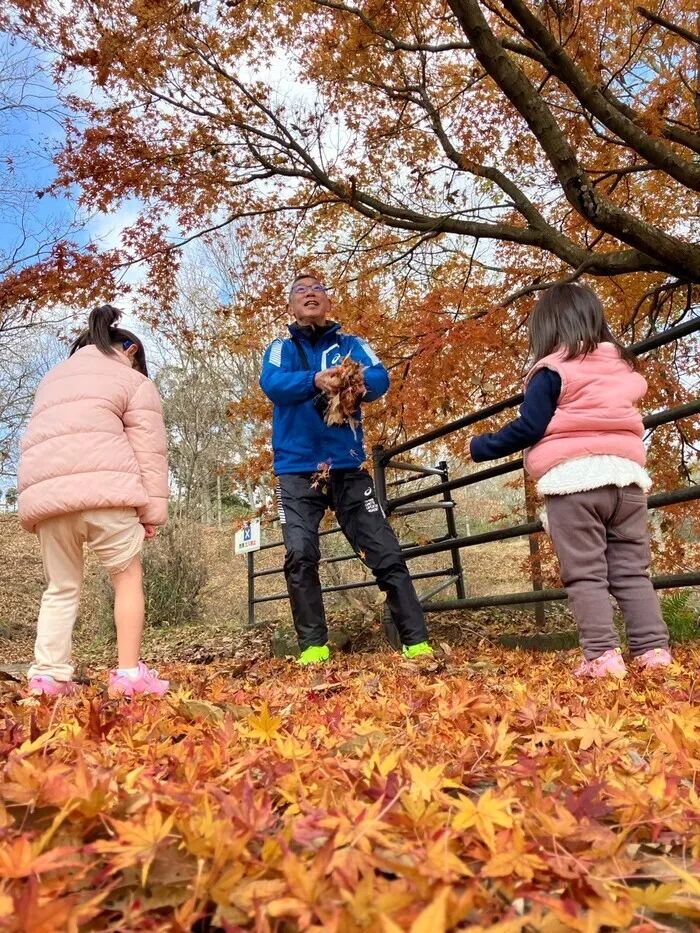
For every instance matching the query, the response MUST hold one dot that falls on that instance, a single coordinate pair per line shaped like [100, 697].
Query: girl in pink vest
[93, 471]
[582, 433]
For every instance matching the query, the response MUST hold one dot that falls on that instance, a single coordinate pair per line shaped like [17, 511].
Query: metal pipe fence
[454, 573]
[414, 502]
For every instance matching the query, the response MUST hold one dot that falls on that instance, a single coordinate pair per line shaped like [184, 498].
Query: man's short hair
[303, 275]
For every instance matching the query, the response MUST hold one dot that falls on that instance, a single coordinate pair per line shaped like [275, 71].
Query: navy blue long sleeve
[537, 410]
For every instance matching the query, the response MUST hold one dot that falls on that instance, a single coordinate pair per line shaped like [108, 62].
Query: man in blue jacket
[299, 373]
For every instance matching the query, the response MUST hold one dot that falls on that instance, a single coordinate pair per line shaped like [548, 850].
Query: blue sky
[29, 137]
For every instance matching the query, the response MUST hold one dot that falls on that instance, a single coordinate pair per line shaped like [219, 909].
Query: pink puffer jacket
[96, 440]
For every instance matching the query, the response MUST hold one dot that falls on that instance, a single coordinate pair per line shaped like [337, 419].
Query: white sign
[248, 538]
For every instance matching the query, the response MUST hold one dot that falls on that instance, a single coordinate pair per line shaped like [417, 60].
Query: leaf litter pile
[479, 792]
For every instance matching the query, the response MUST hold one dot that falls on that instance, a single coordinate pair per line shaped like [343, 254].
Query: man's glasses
[303, 289]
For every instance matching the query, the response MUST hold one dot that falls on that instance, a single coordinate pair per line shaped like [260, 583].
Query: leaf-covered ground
[488, 791]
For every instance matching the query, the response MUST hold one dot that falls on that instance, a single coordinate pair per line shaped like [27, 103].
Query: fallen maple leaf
[433, 918]
[666, 898]
[264, 726]
[199, 711]
[425, 781]
[137, 843]
[322, 477]
[370, 799]
[19, 858]
[490, 811]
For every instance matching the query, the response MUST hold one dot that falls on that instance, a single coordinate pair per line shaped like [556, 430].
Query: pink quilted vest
[597, 410]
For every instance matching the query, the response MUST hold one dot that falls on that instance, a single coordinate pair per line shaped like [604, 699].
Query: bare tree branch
[672, 252]
[667, 24]
[601, 106]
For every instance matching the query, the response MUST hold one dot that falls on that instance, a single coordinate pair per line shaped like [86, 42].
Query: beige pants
[116, 536]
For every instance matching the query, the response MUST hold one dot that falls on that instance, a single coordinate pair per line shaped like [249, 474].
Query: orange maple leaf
[137, 843]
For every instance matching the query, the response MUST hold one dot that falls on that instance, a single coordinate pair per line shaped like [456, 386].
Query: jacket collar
[91, 350]
[313, 334]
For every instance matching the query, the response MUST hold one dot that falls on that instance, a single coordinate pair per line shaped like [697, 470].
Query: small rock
[13, 671]
[546, 641]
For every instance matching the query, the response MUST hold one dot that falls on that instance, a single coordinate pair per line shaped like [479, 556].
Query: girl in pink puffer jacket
[94, 471]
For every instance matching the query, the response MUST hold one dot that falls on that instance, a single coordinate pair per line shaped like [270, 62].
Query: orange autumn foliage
[564, 135]
[488, 791]
[437, 163]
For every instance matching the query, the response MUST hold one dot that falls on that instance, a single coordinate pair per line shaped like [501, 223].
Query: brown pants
[601, 538]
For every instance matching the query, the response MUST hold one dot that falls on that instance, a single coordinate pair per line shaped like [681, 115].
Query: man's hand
[328, 380]
[151, 531]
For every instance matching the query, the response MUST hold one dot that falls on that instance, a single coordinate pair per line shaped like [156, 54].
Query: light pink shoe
[47, 685]
[146, 682]
[610, 663]
[654, 657]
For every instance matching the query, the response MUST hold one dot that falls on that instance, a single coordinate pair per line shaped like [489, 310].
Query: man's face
[309, 302]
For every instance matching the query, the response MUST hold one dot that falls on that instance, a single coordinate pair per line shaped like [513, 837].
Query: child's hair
[103, 333]
[571, 317]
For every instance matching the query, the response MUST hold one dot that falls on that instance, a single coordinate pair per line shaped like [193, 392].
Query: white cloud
[105, 230]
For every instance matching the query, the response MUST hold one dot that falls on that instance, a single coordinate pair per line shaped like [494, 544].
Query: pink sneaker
[47, 685]
[146, 682]
[609, 663]
[654, 657]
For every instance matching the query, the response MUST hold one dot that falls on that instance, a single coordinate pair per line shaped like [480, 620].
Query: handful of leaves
[342, 405]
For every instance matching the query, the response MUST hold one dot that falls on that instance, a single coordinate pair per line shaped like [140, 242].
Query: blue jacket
[301, 439]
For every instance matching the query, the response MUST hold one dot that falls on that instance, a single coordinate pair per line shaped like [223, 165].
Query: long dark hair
[103, 333]
[570, 317]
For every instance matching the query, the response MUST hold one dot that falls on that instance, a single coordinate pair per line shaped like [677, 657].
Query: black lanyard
[302, 353]
[321, 399]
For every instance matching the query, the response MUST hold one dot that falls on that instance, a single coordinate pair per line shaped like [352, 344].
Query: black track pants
[350, 494]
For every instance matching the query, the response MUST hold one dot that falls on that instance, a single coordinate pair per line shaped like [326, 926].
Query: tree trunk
[250, 492]
[535, 557]
[205, 500]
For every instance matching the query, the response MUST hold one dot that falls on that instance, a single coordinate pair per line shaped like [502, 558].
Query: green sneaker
[415, 651]
[316, 654]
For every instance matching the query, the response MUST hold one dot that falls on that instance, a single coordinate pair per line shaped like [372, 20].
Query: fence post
[535, 557]
[457, 569]
[391, 633]
[251, 587]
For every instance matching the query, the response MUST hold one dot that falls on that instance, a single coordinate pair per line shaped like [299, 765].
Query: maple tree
[471, 152]
[379, 796]
[547, 127]
[437, 163]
